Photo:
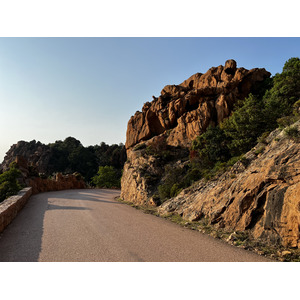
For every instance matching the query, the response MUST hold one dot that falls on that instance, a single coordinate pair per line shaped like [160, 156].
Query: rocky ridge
[187, 109]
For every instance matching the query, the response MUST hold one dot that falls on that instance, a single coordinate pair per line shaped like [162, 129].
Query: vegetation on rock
[251, 121]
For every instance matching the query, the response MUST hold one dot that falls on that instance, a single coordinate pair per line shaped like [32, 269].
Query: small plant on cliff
[173, 183]
[107, 177]
[292, 132]
[9, 185]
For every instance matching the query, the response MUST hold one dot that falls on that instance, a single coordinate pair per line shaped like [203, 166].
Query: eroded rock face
[187, 109]
[262, 196]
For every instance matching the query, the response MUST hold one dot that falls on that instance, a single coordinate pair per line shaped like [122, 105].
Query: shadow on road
[52, 206]
[90, 196]
[21, 241]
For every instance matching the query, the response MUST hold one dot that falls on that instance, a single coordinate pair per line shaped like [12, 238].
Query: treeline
[275, 103]
[71, 156]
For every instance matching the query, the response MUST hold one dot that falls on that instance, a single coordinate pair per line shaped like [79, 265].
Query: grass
[241, 239]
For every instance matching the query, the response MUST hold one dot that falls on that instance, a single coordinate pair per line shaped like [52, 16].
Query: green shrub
[175, 190]
[260, 150]
[245, 125]
[211, 146]
[263, 137]
[9, 184]
[292, 132]
[107, 177]
[286, 121]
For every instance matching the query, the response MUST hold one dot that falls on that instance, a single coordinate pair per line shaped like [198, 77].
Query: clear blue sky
[52, 88]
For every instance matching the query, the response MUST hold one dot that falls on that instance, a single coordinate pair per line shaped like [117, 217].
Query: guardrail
[10, 207]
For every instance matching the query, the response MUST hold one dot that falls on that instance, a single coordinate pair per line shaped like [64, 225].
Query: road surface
[90, 226]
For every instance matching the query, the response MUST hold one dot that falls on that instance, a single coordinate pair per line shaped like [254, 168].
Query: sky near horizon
[88, 88]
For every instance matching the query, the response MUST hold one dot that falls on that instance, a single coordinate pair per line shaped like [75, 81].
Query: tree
[245, 125]
[107, 177]
[211, 146]
[9, 185]
[279, 100]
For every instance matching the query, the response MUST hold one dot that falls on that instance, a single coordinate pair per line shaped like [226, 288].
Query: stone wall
[58, 183]
[10, 207]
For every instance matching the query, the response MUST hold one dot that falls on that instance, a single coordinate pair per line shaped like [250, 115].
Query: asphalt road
[89, 225]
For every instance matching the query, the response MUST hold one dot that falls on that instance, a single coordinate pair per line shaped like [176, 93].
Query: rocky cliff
[260, 193]
[158, 138]
[187, 109]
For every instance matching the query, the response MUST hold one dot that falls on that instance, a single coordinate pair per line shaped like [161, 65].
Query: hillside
[260, 193]
[208, 149]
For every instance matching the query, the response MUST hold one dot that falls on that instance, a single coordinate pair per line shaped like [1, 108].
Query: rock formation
[261, 194]
[187, 109]
[170, 122]
[34, 152]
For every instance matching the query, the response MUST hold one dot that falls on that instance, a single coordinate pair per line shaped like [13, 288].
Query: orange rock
[201, 100]
[263, 197]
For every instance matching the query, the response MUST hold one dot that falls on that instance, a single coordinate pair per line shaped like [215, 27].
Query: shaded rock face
[171, 121]
[145, 169]
[34, 152]
[261, 195]
[187, 109]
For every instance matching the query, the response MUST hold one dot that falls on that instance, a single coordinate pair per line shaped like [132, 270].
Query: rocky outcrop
[36, 153]
[260, 193]
[187, 109]
[159, 137]
[145, 169]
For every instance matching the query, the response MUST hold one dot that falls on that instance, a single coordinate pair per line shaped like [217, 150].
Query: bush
[9, 185]
[174, 182]
[107, 177]
[211, 146]
[245, 125]
[286, 121]
[292, 132]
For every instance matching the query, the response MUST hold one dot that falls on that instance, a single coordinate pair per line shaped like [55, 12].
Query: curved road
[88, 225]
